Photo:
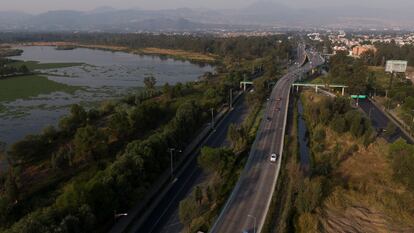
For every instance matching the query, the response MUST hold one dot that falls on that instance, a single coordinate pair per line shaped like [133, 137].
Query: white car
[273, 158]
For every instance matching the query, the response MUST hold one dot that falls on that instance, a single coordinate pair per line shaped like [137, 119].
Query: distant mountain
[103, 9]
[262, 13]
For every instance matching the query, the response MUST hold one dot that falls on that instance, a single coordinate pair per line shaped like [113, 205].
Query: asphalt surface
[249, 202]
[256, 185]
[165, 218]
[380, 120]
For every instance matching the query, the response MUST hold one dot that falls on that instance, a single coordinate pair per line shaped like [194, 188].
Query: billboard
[396, 66]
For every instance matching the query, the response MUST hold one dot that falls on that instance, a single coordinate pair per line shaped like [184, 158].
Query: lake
[104, 75]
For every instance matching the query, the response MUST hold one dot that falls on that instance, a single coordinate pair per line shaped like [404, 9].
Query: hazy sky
[36, 6]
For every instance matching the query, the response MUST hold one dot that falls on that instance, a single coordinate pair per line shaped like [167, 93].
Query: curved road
[247, 207]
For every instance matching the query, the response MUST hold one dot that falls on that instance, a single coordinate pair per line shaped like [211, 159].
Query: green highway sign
[358, 96]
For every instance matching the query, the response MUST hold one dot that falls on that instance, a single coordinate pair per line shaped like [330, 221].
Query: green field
[33, 65]
[23, 87]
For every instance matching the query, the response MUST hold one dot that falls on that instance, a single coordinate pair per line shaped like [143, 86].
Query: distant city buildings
[355, 44]
[357, 51]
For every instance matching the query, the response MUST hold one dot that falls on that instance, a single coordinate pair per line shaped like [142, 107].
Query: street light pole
[172, 150]
[171, 160]
[212, 118]
[231, 98]
[254, 218]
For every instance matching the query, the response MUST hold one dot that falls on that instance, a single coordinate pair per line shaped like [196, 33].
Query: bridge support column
[244, 86]
[343, 91]
[297, 88]
[316, 89]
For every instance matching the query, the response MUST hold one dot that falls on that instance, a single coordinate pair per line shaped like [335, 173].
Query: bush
[402, 157]
[310, 195]
[90, 143]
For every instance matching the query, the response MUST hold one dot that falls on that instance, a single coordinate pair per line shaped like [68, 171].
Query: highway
[164, 218]
[380, 121]
[247, 207]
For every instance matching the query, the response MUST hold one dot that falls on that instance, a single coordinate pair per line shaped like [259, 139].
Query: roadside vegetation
[394, 93]
[357, 182]
[223, 167]
[101, 161]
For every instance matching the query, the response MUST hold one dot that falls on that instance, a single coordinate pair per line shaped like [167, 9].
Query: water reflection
[105, 75]
[303, 140]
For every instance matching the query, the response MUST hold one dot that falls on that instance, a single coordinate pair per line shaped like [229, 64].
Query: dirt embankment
[359, 219]
[373, 202]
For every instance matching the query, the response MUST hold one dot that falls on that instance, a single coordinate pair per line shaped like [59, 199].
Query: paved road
[254, 190]
[165, 218]
[380, 120]
[249, 202]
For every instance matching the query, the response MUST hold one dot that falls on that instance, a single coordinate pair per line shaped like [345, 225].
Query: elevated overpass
[318, 86]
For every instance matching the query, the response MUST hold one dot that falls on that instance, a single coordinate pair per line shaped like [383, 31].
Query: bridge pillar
[316, 89]
[244, 86]
[297, 88]
[343, 91]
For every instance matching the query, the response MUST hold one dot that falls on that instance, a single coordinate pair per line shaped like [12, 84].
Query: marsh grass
[24, 87]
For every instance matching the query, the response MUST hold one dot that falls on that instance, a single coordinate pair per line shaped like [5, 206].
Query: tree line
[240, 47]
[7, 68]
[112, 155]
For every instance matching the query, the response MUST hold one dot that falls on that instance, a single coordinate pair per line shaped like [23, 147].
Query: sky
[38, 6]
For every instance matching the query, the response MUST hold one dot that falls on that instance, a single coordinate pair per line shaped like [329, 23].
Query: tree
[209, 194]
[319, 134]
[24, 70]
[188, 210]
[29, 149]
[119, 125]
[70, 224]
[90, 143]
[209, 159]
[198, 195]
[338, 124]
[238, 137]
[78, 118]
[11, 188]
[150, 83]
[390, 129]
[307, 223]
[167, 91]
[63, 157]
[402, 156]
[309, 195]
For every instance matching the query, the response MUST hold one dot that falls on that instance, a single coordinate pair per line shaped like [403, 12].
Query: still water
[303, 140]
[104, 75]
